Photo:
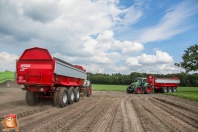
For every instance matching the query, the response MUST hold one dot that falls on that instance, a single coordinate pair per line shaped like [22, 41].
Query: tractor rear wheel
[76, 94]
[71, 95]
[147, 89]
[138, 90]
[63, 97]
[31, 98]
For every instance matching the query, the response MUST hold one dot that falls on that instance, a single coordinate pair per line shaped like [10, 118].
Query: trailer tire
[128, 91]
[71, 95]
[76, 94]
[147, 89]
[164, 89]
[62, 97]
[156, 90]
[31, 98]
[89, 90]
[55, 99]
[174, 89]
[169, 89]
[138, 90]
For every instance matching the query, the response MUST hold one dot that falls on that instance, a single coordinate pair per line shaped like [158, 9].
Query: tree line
[190, 80]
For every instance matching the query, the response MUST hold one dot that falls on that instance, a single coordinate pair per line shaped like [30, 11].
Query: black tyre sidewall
[70, 91]
[60, 99]
[76, 92]
[31, 98]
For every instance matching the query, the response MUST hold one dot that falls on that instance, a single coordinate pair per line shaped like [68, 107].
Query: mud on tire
[31, 98]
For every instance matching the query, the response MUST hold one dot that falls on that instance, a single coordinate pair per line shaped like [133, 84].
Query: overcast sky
[104, 36]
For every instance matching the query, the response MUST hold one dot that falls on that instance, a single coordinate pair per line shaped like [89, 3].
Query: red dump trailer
[44, 76]
[163, 84]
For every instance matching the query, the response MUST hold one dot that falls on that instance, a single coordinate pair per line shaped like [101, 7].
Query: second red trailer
[163, 84]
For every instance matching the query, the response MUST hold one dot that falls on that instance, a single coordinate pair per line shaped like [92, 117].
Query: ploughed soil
[102, 112]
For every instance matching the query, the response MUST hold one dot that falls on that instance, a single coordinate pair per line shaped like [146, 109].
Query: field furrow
[106, 112]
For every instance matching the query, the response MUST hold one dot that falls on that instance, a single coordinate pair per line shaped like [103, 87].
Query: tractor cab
[139, 81]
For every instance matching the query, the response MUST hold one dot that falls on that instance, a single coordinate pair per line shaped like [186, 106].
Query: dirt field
[103, 112]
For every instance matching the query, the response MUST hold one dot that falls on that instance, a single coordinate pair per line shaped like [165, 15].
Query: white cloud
[106, 49]
[106, 36]
[161, 62]
[89, 45]
[8, 61]
[133, 61]
[114, 56]
[173, 23]
[165, 67]
[134, 13]
[131, 47]
[160, 57]
[82, 32]
[163, 57]
[118, 69]
[59, 24]
[94, 68]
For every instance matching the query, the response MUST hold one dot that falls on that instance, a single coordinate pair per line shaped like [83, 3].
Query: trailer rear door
[35, 67]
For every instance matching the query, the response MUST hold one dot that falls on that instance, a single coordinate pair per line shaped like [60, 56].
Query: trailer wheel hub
[72, 95]
[78, 95]
[64, 97]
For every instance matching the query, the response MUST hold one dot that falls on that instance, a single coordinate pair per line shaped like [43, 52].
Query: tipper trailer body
[163, 84]
[44, 76]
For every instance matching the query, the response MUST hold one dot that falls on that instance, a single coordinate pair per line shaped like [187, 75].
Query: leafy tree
[190, 59]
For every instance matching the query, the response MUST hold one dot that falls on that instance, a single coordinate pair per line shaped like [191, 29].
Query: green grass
[98, 87]
[190, 93]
